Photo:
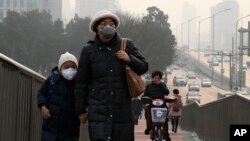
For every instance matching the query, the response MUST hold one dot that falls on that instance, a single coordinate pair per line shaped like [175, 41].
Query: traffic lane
[226, 66]
[208, 94]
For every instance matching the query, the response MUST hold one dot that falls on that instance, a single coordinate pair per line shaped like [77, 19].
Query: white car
[205, 82]
[244, 66]
[179, 81]
[193, 86]
[193, 96]
[191, 75]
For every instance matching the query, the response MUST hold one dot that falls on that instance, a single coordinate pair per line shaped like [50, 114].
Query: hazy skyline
[174, 8]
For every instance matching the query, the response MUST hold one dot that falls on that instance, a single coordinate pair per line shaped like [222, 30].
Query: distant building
[224, 24]
[88, 8]
[15, 5]
[55, 7]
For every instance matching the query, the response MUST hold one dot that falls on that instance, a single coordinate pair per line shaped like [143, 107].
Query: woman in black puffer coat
[101, 91]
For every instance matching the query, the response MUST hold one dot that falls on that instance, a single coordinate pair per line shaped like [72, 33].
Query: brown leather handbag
[135, 82]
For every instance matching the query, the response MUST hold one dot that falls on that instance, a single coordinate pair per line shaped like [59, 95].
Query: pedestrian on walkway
[101, 91]
[56, 102]
[137, 108]
[175, 110]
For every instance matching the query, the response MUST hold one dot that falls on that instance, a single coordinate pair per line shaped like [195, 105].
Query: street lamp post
[199, 36]
[182, 32]
[213, 16]
[176, 32]
[189, 27]
[234, 50]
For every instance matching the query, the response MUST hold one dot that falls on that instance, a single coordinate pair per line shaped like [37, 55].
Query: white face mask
[69, 73]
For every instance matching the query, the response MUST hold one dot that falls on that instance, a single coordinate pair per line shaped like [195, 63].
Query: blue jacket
[57, 94]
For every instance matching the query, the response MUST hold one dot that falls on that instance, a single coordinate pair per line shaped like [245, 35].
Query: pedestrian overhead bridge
[20, 119]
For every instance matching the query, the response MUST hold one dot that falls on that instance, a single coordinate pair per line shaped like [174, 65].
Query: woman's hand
[83, 117]
[122, 55]
[45, 112]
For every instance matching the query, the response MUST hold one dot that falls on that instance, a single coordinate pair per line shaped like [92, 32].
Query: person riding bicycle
[156, 90]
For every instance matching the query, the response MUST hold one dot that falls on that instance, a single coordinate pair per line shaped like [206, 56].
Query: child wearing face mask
[56, 102]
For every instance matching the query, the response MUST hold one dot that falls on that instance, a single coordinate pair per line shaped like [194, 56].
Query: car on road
[215, 63]
[206, 82]
[226, 59]
[179, 80]
[244, 66]
[169, 71]
[191, 75]
[241, 90]
[194, 86]
[175, 67]
[193, 96]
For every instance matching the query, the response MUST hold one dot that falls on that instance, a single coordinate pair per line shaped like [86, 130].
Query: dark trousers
[175, 122]
[48, 136]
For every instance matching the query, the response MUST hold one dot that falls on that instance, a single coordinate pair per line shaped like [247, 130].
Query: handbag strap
[123, 44]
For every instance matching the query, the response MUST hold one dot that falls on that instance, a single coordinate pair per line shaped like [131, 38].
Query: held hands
[45, 112]
[83, 117]
[122, 55]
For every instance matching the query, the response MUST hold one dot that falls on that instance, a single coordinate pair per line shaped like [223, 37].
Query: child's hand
[45, 112]
[83, 117]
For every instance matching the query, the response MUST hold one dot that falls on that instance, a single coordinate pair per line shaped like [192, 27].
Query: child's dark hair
[155, 73]
[176, 91]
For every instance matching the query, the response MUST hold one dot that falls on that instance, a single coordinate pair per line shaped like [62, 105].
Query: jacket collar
[106, 46]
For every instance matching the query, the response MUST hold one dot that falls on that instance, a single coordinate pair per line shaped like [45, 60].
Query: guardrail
[20, 119]
[212, 121]
[203, 69]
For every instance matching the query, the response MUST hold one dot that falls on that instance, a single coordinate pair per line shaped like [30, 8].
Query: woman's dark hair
[176, 91]
[155, 73]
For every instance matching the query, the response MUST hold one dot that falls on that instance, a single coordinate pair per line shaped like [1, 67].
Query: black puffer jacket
[155, 91]
[102, 88]
[57, 94]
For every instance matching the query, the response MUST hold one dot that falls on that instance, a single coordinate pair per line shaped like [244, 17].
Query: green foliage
[33, 39]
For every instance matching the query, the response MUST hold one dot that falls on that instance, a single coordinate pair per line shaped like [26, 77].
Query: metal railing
[212, 121]
[20, 118]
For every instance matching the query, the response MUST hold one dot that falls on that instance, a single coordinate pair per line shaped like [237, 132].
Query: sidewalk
[179, 136]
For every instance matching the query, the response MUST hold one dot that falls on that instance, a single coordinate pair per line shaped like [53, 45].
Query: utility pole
[188, 31]
[231, 76]
[222, 54]
[222, 68]
[213, 18]
[241, 53]
[232, 66]
[236, 49]
[199, 36]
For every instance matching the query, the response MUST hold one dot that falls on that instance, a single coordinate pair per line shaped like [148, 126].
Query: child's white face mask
[69, 73]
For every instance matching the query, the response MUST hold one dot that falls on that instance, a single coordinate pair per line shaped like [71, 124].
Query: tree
[36, 41]
[153, 36]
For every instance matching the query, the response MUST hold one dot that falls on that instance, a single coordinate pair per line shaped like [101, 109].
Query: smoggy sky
[174, 8]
